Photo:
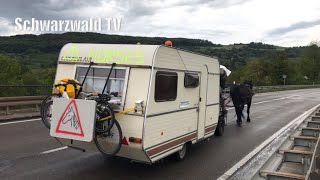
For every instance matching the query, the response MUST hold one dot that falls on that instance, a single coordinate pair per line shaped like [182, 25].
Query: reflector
[124, 141]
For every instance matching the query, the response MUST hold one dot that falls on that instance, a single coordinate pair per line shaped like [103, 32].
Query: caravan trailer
[177, 92]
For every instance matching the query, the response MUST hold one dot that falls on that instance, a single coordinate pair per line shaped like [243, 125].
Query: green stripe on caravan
[119, 56]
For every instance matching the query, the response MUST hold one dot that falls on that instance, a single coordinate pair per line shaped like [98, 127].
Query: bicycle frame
[105, 85]
[85, 77]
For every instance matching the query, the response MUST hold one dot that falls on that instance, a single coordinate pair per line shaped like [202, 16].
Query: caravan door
[202, 101]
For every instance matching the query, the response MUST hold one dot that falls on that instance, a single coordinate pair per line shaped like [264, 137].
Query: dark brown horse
[241, 95]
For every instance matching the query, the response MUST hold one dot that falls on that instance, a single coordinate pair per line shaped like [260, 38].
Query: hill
[37, 54]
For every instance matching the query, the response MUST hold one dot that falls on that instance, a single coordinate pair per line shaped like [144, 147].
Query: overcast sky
[279, 22]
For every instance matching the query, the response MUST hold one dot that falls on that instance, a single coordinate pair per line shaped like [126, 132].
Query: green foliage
[10, 70]
[310, 63]
[256, 70]
[48, 76]
[30, 78]
[279, 68]
[31, 59]
[265, 71]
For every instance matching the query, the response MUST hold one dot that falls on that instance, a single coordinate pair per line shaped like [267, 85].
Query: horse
[71, 116]
[241, 95]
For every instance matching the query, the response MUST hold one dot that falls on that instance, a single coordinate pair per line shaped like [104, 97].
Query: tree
[258, 72]
[48, 76]
[10, 71]
[30, 78]
[311, 62]
[279, 68]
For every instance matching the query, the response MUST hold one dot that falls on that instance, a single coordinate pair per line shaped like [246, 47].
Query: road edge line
[271, 100]
[54, 150]
[21, 121]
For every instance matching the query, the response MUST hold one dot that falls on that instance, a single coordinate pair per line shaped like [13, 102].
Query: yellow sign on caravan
[98, 53]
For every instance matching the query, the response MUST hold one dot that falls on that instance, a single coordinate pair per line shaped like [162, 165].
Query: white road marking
[271, 100]
[54, 150]
[244, 160]
[23, 121]
[278, 99]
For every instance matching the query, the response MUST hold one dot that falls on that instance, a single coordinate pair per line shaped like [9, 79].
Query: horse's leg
[248, 109]
[239, 114]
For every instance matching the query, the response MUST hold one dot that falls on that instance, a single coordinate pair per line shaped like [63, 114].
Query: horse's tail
[237, 100]
[242, 114]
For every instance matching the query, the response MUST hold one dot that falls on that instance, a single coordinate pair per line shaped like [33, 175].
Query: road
[24, 147]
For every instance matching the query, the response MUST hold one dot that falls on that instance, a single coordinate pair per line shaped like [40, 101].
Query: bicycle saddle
[105, 97]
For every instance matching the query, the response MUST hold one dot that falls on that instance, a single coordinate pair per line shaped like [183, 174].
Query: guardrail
[314, 171]
[290, 153]
[42, 90]
[39, 91]
[7, 102]
[260, 89]
[282, 87]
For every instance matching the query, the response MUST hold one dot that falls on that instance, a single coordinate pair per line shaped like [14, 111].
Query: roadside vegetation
[31, 59]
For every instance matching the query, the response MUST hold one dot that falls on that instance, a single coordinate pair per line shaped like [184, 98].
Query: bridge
[28, 152]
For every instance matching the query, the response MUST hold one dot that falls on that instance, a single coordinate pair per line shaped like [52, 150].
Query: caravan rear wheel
[182, 153]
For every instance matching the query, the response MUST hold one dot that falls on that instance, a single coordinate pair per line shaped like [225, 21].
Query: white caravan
[177, 90]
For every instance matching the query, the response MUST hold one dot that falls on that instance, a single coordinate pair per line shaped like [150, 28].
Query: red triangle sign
[69, 122]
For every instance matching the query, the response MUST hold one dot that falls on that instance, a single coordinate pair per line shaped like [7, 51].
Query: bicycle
[226, 99]
[108, 133]
[223, 113]
[46, 105]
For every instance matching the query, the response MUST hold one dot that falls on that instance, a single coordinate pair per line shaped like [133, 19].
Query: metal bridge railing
[43, 90]
[16, 96]
[260, 89]
[286, 87]
[20, 102]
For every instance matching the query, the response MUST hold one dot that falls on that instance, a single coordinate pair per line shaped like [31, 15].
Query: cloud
[220, 21]
[5, 26]
[293, 27]
[136, 9]
[211, 3]
[43, 9]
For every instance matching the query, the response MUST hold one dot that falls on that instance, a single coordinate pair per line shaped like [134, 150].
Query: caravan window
[166, 86]
[97, 77]
[191, 80]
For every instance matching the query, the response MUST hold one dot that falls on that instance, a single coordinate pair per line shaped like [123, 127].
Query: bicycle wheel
[47, 114]
[47, 99]
[109, 143]
[104, 110]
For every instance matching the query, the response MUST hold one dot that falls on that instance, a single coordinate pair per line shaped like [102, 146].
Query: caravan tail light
[135, 140]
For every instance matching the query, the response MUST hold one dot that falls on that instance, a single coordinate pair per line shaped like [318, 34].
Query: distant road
[28, 152]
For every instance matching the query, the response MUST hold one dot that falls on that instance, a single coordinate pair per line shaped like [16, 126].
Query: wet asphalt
[21, 145]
